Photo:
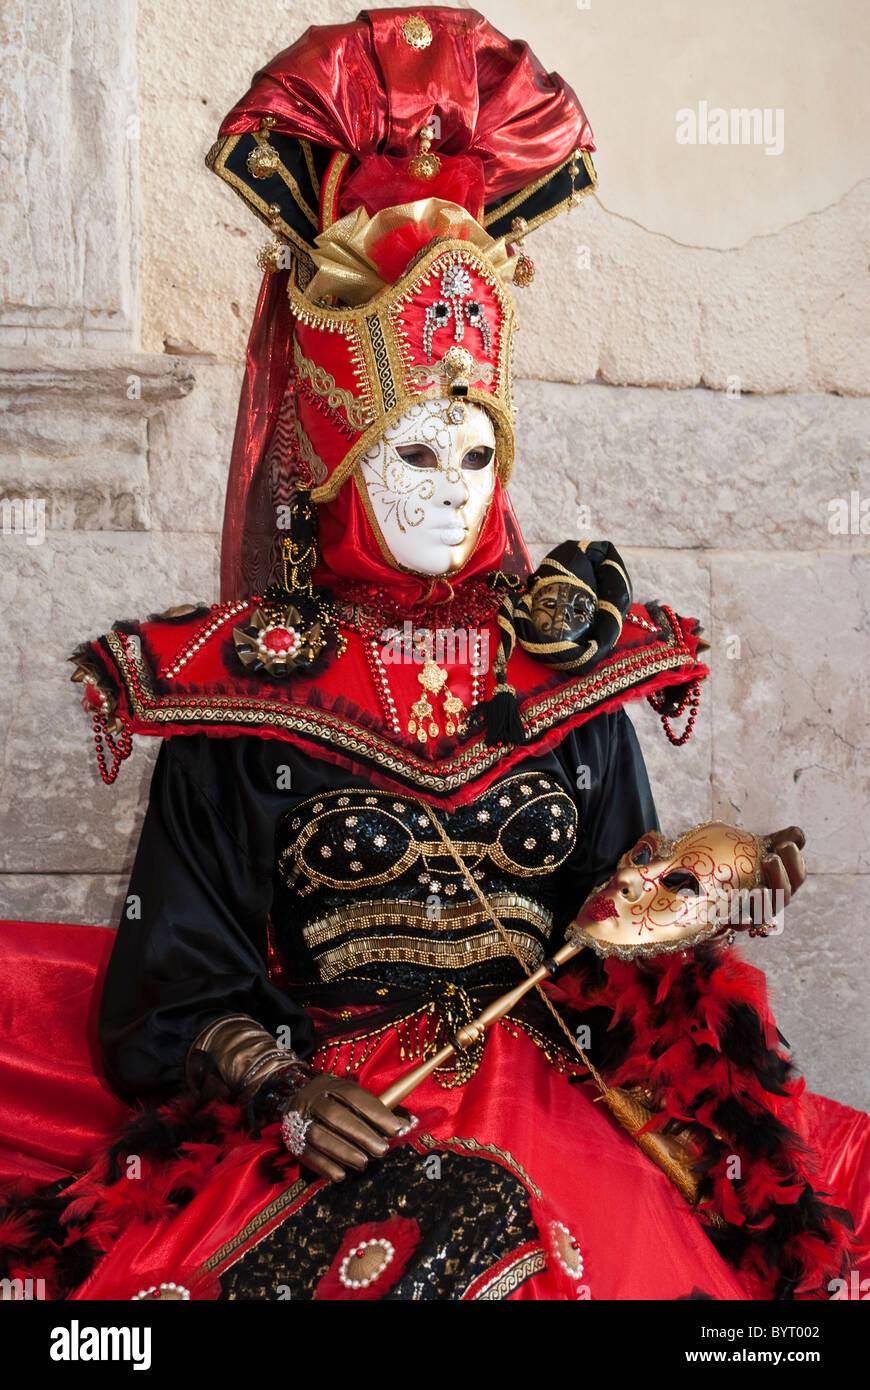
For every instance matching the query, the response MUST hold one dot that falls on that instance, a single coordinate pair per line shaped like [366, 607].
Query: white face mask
[429, 481]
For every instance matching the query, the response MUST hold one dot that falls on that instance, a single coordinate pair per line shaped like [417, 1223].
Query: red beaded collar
[181, 675]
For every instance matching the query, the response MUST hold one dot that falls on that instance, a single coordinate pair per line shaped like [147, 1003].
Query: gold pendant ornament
[524, 267]
[433, 679]
[424, 164]
[263, 160]
[454, 710]
[416, 32]
[273, 256]
[422, 721]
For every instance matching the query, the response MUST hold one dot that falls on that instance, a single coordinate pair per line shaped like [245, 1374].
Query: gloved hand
[334, 1125]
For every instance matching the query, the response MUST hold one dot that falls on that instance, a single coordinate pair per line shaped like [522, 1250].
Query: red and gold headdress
[398, 160]
[444, 327]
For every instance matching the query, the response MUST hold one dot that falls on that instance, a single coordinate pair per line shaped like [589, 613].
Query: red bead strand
[691, 699]
[119, 750]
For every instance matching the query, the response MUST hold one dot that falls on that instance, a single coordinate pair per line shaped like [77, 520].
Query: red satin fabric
[637, 1236]
[54, 1108]
[349, 549]
[841, 1138]
[360, 87]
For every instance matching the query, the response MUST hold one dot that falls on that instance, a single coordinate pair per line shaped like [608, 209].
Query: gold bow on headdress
[346, 270]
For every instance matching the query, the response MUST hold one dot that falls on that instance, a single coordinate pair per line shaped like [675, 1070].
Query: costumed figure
[401, 915]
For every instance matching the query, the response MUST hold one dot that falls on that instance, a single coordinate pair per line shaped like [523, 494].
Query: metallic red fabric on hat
[364, 88]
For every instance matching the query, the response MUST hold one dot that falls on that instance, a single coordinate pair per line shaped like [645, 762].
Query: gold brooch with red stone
[279, 640]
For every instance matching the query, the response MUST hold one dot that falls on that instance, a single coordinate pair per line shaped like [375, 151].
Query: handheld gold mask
[666, 895]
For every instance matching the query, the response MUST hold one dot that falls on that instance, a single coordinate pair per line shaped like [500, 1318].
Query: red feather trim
[703, 1039]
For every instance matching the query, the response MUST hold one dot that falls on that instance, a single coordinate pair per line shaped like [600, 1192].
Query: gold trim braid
[154, 710]
[357, 412]
[416, 916]
[414, 938]
[384, 950]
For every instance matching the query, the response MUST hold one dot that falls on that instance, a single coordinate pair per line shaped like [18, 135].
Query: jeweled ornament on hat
[456, 287]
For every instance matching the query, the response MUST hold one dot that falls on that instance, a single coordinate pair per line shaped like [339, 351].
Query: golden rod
[470, 1032]
[668, 1152]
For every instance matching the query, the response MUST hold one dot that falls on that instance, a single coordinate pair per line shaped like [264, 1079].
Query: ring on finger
[294, 1132]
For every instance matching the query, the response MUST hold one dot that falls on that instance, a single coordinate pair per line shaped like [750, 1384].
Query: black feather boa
[698, 1033]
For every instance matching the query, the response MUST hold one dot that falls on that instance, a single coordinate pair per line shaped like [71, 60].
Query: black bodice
[362, 895]
[365, 881]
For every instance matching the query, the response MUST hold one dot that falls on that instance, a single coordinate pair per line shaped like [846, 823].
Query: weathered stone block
[818, 972]
[74, 436]
[688, 469]
[69, 130]
[80, 899]
[61, 817]
[791, 697]
[190, 443]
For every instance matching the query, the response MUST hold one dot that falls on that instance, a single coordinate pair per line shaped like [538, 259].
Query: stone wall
[69, 214]
[699, 401]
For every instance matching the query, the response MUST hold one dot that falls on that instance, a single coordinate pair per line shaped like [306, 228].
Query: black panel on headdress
[293, 188]
[541, 200]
